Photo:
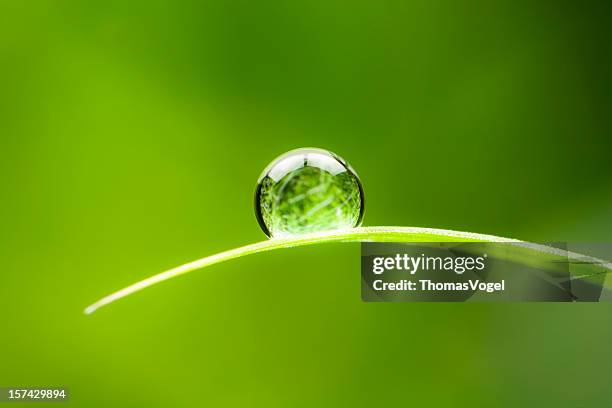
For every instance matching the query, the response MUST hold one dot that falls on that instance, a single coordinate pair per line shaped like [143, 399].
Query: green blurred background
[131, 137]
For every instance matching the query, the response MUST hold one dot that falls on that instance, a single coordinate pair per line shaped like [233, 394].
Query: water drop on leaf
[308, 190]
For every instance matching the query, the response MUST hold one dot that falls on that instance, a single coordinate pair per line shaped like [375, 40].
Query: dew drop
[308, 190]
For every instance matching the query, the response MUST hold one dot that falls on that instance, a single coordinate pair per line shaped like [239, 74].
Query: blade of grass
[361, 234]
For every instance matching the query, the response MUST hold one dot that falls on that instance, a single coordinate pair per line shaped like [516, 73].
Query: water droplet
[308, 190]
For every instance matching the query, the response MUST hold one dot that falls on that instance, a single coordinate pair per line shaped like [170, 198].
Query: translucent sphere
[308, 190]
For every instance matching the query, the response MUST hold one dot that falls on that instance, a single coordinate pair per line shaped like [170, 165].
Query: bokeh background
[131, 137]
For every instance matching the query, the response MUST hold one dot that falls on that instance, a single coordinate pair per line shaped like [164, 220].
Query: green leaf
[523, 252]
